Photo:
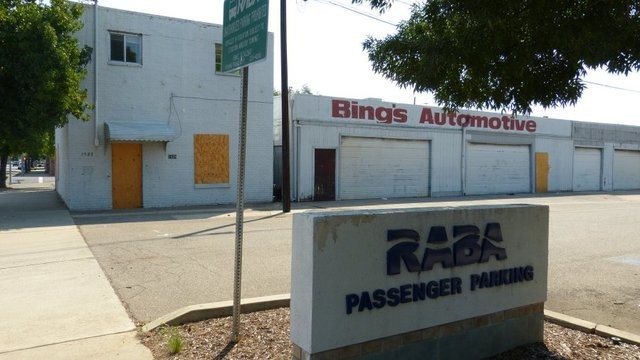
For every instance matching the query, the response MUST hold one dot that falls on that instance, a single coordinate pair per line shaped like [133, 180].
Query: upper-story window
[219, 62]
[126, 47]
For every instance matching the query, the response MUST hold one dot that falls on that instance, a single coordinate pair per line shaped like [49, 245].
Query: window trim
[124, 62]
[218, 62]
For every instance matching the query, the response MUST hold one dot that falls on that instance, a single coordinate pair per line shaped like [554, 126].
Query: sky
[324, 41]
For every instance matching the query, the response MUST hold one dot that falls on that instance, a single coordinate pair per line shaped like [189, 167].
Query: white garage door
[626, 169]
[498, 169]
[377, 168]
[586, 169]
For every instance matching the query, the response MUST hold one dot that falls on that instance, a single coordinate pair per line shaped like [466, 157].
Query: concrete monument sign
[419, 281]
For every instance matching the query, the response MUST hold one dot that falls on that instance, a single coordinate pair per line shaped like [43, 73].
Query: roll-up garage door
[498, 169]
[587, 169]
[376, 168]
[626, 169]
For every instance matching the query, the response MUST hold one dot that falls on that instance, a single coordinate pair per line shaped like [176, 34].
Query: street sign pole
[244, 41]
[242, 152]
[284, 76]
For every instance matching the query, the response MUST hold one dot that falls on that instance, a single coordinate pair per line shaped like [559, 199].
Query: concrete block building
[164, 130]
[367, 148]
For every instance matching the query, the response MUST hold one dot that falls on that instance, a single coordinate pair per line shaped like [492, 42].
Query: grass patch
[173, 339]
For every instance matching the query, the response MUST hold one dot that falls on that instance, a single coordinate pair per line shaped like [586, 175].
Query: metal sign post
[244, 41]
[242, 152]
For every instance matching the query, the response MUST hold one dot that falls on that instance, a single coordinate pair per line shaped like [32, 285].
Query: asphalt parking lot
[161, 260]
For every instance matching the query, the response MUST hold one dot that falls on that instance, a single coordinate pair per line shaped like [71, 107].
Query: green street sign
[244, 33]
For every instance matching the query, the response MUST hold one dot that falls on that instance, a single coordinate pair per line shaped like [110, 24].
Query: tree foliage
[41, 67]
[508, 54]
[306, 90]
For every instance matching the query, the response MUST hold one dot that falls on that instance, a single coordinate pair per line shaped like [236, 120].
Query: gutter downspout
[463, 162]
[295, 126]
[96, 140]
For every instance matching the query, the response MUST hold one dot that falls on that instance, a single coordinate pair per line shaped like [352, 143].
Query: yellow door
[126, 175]
[542, 172]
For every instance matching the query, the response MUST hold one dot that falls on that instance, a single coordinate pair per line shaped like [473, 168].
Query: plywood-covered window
[211, 158]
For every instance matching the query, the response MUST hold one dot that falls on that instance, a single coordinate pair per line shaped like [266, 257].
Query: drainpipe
[463, 162]
[96, 140]
[295, 125]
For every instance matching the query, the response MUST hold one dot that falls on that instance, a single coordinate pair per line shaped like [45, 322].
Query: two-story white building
[164, 130]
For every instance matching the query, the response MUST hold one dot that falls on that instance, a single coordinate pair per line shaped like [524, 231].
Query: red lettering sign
[348, 109]
[352, 110]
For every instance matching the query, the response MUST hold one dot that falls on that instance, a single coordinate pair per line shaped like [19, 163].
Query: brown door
[126, 175]
[325, 175]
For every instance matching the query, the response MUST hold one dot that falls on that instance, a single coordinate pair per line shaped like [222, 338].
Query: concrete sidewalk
[55, 300]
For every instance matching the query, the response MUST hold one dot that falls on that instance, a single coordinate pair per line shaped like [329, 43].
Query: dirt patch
[265, 335]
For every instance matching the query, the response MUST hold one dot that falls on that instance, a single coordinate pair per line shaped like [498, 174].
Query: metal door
[497, 169]
[383, 168]
[587, 169]
[325, 175]
[626, 170]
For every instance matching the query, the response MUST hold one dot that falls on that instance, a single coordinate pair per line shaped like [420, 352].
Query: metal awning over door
[135, 131]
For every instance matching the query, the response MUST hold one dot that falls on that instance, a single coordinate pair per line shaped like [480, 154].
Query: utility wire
[357, 12]
[404, 2]
[329, 2]
[611, 86]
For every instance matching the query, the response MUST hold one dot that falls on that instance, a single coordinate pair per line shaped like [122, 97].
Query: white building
[366, 148]
[164, 131]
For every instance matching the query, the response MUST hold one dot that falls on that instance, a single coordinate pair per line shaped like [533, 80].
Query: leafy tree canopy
[306, 90]
[41, 67]
[507, 54]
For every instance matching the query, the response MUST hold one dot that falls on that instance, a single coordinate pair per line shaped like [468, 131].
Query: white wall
[560, 161]
[61, 161]
[311, 135]
[607, 167]
[176, 84]
[446, 164]
[316, 126]
[445, 149]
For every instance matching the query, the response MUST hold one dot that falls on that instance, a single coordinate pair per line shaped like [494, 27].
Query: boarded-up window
[211, 158]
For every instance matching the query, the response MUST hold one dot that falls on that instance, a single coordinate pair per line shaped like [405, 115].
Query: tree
[41, 67]
[305, 90]
[507, 54]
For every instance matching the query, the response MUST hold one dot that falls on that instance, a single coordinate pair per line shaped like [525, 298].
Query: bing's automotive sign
[399, 114]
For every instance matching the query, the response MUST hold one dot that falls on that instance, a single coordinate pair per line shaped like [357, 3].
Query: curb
[207, 311]
[590, 328]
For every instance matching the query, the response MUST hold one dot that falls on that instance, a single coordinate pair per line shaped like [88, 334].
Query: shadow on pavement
[29, 196]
